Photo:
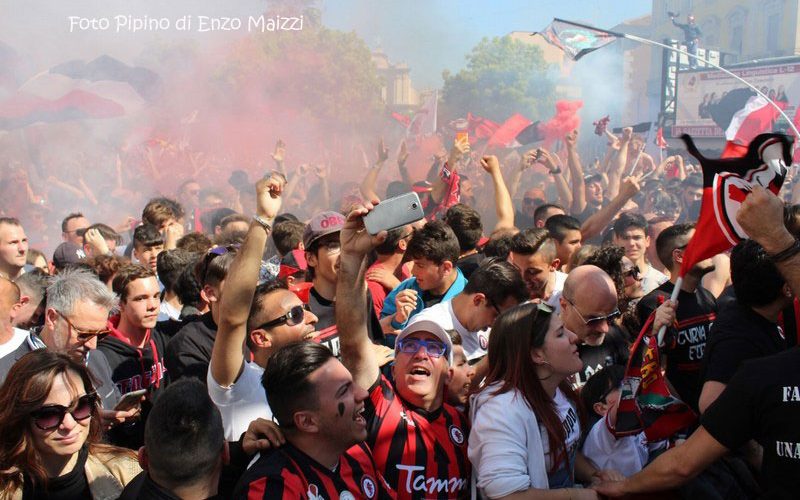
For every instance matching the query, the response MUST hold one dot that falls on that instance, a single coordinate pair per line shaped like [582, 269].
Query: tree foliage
[503, 76]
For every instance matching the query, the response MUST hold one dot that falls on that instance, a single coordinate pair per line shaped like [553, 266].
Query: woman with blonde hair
[50, 427]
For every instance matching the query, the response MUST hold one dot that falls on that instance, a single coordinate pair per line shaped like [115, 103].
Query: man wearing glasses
[76, 318]
[684, 345]
[419, 442]
[263, 317]
[589, 309]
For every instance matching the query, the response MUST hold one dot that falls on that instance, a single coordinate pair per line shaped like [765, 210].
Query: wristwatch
[263, 223]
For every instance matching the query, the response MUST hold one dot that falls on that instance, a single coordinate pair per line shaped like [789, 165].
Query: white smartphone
[130, 400]
[394, 212]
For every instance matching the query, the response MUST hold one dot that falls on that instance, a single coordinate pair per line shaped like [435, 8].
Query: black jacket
[188, 353]
[133, 369]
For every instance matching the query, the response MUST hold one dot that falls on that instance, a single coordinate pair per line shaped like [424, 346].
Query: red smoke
[565, 120]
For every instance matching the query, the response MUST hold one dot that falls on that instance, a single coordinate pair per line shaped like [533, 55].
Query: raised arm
[516, 173]
[576, 173]
[761, 216]
[502, 199]
[367, 187]
[440, 185]
[358, 354]
[595, 224]
[227, 360]
[611, 151]
[402, 157]
[552, 163]
[321, 170]
[618, 162]
[279, 155]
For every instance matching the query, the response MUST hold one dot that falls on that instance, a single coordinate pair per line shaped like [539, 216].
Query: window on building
[737, 37]
[773, 31]
[737, 20]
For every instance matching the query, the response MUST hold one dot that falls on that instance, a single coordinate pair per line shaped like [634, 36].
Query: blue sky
[434, 35]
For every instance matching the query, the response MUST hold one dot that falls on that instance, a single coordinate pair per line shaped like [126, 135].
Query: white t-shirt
[652, 279]
[626, 455]
[242, 402]
[16, 340]
[474, 343]
[569, 419]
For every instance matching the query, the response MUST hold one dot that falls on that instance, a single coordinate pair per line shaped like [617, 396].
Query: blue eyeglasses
[434, 348]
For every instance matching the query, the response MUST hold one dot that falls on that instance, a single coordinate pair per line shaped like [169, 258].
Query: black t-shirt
[324, 310]
[70, 486]
[762, 402]
[613, 351]
[469, 263]
[685, 345]
[739, 334]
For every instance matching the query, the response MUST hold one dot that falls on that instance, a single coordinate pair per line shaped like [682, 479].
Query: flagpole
[674, 49]
[673, 298]
[709, 63]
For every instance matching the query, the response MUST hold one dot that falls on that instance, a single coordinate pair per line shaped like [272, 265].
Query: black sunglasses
[595, 320]
[633, 272]
[293, 317]
[212, 254]
[50, 417]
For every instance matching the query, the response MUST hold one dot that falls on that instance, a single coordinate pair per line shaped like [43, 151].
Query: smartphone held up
[393, 213]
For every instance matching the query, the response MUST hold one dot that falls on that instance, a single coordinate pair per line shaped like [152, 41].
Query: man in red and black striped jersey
[321, 413]
[419, 442]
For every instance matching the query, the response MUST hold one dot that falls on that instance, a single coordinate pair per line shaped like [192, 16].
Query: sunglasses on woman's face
[50, 417]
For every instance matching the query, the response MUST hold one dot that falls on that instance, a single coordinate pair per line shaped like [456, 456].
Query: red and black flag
[726, 183]
[743, 114]
[646, 403]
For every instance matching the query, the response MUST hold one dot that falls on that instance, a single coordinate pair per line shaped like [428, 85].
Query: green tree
[503, 76]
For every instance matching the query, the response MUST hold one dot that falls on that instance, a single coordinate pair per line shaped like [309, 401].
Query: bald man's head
[9, 298]
[589, 303]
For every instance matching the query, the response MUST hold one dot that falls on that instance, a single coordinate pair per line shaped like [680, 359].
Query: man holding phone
[419, 441]
[322, 248]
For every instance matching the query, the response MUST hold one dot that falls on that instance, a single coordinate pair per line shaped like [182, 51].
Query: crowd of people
[277, 349]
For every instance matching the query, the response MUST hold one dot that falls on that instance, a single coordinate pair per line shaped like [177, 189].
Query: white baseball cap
[425, 321]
